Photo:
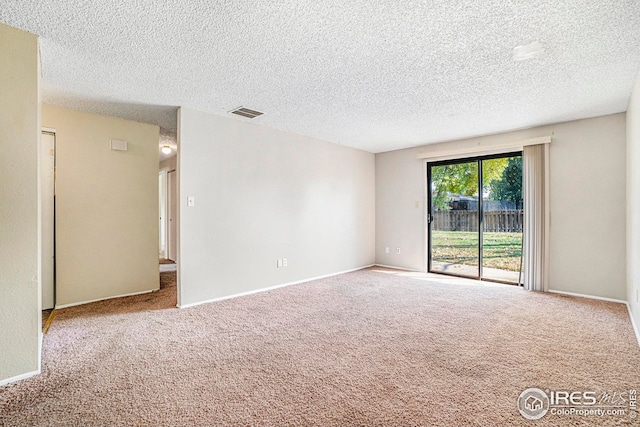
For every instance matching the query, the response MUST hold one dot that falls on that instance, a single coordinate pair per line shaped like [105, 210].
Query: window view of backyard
[456, 244]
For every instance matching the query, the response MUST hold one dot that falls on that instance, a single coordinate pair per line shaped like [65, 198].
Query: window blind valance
[480, 148]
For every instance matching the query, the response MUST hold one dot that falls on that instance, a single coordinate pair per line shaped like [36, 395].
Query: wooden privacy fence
[494, 221]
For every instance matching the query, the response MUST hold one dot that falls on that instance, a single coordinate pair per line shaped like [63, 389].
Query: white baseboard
[241, 294]
[633, 323]
[619, 301]
[106, 298]
[397, 268]
[19, 378]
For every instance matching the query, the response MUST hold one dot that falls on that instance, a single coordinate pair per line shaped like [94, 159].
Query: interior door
[173, 210]
[47, 216]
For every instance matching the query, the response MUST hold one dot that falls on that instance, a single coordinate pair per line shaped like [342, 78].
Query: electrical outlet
[284, 262]
[386, 250]
[279, 263]
[397, 250]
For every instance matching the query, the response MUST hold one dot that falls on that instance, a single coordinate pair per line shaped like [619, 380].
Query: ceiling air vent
[245, 112]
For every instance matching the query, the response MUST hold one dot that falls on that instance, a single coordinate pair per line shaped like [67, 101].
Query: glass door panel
[502, 217]
[454, 236]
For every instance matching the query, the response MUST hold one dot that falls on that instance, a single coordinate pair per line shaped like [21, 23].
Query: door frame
[478, 159]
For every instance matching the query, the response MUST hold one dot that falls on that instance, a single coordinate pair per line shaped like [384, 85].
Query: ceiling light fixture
[528, 51]
[166, 149]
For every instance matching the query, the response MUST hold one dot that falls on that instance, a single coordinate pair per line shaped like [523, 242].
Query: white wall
[587, 241]
[633, 202]
[106, 206]
[262, 194]
[19, 230]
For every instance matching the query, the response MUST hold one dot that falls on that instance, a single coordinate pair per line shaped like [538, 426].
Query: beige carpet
[374, 347]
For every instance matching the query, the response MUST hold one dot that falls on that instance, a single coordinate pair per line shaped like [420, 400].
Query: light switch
[191, 201]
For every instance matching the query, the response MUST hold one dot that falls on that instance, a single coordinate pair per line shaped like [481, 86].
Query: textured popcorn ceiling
[375, 75]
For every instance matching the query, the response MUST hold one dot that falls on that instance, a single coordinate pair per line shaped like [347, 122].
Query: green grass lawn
[499, 250]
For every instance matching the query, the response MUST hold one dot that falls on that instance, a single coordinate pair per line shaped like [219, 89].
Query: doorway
[168, 206]
[47, 218]
[168, 210]
[475, 217]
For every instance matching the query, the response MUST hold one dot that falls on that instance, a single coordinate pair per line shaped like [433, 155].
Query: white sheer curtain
[535, 188]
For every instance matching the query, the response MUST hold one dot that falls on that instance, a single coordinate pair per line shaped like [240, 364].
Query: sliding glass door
[475, 217]
[502, 216]
[454, 219]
